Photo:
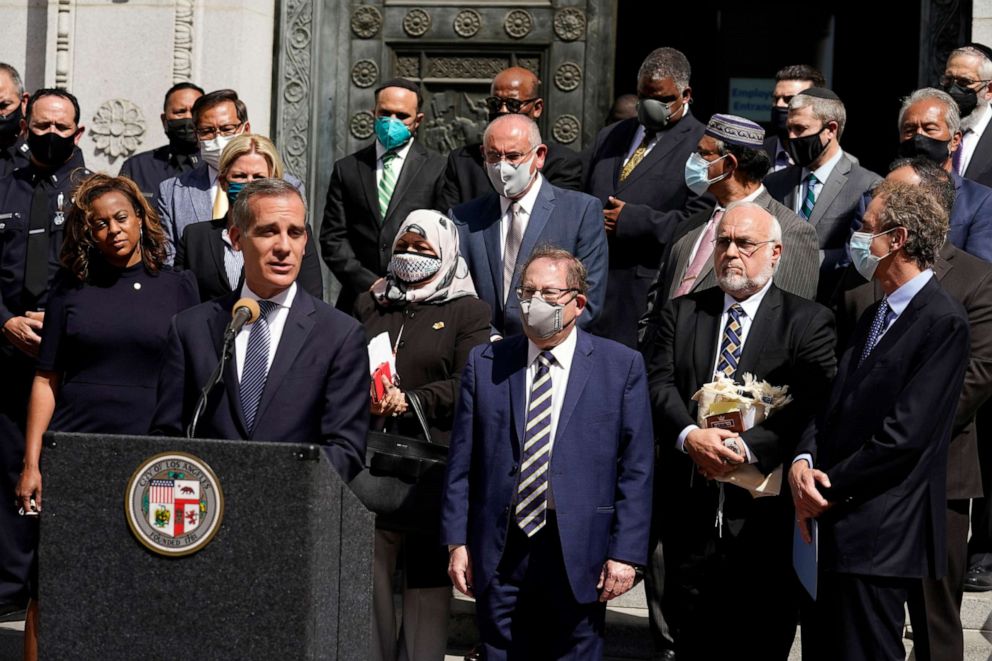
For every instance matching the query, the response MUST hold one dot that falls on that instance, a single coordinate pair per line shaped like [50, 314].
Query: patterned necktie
[807, 209]
[637, 156]
[221, 204]
[234, 261]
[703, 254]
[256, 367]
[387, 182]
[514, 237]
[959, 154]
[730, 347]
[36, 263]
[532, 489]
[883, 317]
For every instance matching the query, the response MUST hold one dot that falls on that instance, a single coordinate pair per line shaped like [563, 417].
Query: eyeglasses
[947, 81]
[549, 294]
[744, 246]
[513, 157]
[209, 133]
[494, 103]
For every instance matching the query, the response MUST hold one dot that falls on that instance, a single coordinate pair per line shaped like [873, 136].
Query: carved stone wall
[946, 25]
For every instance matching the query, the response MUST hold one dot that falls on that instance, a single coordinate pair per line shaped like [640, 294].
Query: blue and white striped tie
[532, 489]
[256, 367]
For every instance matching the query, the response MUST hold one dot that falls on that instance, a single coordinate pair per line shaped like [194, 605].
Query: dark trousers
[856, 618]
[528, 610]
[980, 545]
[18, 534]
[935, 607]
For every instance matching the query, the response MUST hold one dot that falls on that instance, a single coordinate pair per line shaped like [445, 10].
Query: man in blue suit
[547, 500]
[300, 371]
[500, 230]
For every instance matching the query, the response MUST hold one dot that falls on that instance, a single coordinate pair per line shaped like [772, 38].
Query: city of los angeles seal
[174, 503]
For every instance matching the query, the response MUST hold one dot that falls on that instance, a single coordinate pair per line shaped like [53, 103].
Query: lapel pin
[438, 325]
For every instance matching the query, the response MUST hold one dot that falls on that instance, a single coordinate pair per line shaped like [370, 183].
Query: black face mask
[50, 149]
[779, 117]
[182, 135]
[923, 145]
[965, 97]
[10, 127]
[806, 149]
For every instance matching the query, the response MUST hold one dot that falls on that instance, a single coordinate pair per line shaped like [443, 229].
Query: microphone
[245, 311]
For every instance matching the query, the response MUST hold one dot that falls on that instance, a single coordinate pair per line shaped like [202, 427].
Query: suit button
[513, 469]
[402, 343]
[413, 314]
[506, 510]
[385, 245]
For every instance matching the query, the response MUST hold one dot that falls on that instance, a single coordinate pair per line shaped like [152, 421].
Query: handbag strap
[418, 409]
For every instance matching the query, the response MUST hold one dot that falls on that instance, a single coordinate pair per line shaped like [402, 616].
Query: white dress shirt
[397, 162]
[526, 207]
[822, 173]
[750, 307]
[276, 320]
[971, 136]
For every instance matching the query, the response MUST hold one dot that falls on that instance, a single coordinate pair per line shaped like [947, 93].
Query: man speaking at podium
[299, 370]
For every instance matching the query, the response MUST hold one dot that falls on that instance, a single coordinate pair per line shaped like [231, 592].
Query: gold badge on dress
[438, 325]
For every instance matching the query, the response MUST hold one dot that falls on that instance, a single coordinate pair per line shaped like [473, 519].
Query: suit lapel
[577, 377]
[218, 323]
[414, 160]
[299, 323]
[944, 262]
[491, 238]
[761, 328]
[539, 215]
[518, 398]
[831, 188]
[366, 175]
[217, 247]
[703, 328]
[199, 195]
[623, 136]
[668, 142]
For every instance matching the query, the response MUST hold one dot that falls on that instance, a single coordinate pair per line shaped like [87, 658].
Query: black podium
[286, 575]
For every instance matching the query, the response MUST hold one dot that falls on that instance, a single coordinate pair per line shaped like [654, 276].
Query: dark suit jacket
[562, 218]
[656, 200]
[838, 206]
[969, 282]
[150, 168]
[355, 240]
[980, 166]
[971, 217]
[317, 390]
[601, 464]
[883, 438]
[201, 250]
[465, 173]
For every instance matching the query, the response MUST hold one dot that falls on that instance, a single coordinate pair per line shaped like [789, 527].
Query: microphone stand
[216, 377]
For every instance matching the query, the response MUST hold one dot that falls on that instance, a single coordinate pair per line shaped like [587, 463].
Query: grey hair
[577, 276]
[984, 69]
[241, 213]
[529, 125]
[664, 63]
[952, 115]
[918, 210]
[775, 233]
[14, 76]
[825, 110]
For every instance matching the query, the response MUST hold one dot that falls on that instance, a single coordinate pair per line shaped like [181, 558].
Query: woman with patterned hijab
[428, 306]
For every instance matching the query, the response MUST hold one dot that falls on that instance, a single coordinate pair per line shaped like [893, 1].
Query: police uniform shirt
[16, 194]
[150, 168]
[15, 156]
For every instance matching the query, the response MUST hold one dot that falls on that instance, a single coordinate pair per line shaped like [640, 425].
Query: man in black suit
[872, 470]
[825, 186]
[150, 168]
[968, 79]
[744, 325]
[300, 371]
[789, 81]
[513, 91]
[637, 171]
[373, 190]
[14, 150]
[935, 611]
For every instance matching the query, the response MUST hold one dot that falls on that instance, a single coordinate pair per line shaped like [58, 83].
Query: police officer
[150, 168]
[33, 201]
[13, 101]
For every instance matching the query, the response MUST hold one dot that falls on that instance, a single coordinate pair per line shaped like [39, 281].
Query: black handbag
[402, 477]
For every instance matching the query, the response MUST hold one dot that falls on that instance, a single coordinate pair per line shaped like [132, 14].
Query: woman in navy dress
[105, 326]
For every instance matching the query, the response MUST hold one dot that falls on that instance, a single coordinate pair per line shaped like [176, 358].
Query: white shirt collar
[900, 298]
[823, 172]
[749, 304]
[283, 299]
[401, 152]
[527, 201]
[562, 352]
[983, 121]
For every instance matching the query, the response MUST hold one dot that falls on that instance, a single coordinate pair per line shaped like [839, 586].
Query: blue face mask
[391, 132]
[860, 246]
[233, 188]
[697, 173]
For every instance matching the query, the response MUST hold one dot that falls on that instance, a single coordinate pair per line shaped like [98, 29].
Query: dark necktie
[36, 259]
[883, 317]
[532, 489]
[256, 368]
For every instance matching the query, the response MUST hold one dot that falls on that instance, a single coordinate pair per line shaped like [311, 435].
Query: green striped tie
[387, 182]
[807, 209]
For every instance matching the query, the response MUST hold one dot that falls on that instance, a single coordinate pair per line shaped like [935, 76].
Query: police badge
[174, 504]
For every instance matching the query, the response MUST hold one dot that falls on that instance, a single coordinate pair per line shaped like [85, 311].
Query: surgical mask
[391, 132]
[510, 180]
[542, 318]
[806, 149]
[412, 267]
[654, 115]
[779, 118]
[697, 173]
[210, 150]
[233, 188]
[182, 135]
[923, 145]
[965, 97]
[50, 149]
[10, 126]
[862, 258]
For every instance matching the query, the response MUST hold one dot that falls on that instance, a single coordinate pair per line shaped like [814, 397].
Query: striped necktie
[256, 367]
[637, 156]
[532, 489]
[807, 209]
[730, 347]
[387, 182]
[883, 317]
